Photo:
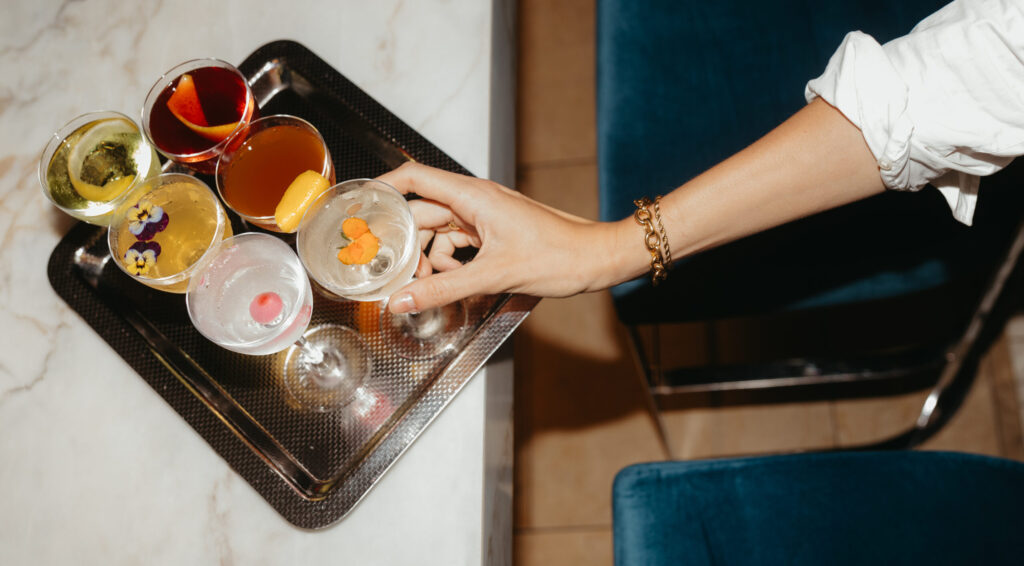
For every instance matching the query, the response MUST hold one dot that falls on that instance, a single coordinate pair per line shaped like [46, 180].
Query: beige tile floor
[579, 407]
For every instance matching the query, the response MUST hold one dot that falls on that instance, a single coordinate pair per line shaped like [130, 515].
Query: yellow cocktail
[163, 230]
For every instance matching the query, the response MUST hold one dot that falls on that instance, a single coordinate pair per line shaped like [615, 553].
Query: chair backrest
[682, 85]
[828, 508]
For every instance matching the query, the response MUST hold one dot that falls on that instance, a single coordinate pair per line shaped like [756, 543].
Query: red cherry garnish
[265, 307]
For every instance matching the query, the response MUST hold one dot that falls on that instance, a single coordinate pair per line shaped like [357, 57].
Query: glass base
[428, 334]
[324, 370]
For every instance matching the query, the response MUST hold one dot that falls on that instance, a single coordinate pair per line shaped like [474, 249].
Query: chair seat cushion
[828, 508]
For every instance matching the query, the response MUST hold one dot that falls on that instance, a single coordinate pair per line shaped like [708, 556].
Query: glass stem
[314, 355]
[326, 368]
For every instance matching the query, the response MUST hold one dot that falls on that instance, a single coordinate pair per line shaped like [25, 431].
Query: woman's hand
[524, 246]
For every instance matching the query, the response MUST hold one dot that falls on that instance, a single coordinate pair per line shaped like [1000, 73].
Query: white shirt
[943, 104]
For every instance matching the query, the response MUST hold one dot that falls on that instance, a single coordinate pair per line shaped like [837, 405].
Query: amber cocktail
[262, 161]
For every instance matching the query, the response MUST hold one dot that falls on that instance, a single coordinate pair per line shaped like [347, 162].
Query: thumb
[440, 289]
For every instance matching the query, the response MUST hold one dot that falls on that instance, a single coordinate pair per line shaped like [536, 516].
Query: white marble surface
[95, 468]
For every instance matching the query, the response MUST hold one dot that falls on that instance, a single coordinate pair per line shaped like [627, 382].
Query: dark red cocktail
[194, 108]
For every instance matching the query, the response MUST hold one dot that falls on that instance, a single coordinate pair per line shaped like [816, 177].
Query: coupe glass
[252, 296]
[92, 163]
[261, 161]
[423, 335]
[227, 106]
[165, 228]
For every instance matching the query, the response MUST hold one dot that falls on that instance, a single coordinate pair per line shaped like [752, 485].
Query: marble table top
[95, 468]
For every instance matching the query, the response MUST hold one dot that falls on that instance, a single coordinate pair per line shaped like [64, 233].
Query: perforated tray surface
[312, 467]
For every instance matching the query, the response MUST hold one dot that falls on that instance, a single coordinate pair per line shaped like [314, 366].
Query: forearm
[814, 161]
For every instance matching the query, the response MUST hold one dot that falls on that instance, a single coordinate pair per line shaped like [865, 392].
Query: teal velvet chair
[681, 85]
[853, 508]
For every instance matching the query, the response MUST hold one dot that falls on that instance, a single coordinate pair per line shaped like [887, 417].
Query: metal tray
[312, 467]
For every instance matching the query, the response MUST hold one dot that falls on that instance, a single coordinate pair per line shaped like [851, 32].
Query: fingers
[424, 237]
[434, 184]
[444, 262]
[434, 218]
[442, 288]
[444, 247]
[431, 214]
[424, 268]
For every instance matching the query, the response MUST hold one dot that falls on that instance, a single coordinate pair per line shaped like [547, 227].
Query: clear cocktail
[251, 295]
[387, 217]
[359, 241]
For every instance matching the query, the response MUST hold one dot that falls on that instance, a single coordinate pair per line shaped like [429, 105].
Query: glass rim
[175, 72]
[60, 135]
[412, 247]
[296, 305]
[326, 167]
[222, 222]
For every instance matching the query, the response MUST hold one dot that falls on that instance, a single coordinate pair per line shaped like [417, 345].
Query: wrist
[621, 254]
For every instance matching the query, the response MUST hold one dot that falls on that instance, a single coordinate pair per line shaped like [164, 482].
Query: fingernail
[403, 303]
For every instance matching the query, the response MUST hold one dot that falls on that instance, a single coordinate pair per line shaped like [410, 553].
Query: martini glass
[252, 296]
[424, 335]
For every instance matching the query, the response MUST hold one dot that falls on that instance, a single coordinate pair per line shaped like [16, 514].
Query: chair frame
[949, 370]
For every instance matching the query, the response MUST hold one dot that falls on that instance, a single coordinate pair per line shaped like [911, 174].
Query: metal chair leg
[647, 379]
[963, 357]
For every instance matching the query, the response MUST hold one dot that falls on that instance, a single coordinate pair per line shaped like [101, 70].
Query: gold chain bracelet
[652, 239]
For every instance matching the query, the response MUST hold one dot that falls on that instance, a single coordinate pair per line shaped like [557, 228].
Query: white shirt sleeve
[943, 104]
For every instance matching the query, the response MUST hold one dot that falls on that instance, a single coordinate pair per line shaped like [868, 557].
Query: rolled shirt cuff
[861, 81]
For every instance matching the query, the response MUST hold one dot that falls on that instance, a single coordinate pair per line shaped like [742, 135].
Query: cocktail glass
[92, 163]
[190, 119]
[164, 228]
[424, 335]
[252, 296]
[261, 161]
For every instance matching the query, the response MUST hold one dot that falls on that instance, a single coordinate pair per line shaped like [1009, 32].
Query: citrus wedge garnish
[301, 193]
[105, 193]
[89, 149]
[184, 104]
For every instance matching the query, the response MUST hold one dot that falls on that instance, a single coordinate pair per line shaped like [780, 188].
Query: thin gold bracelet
[651, 239]
[667, 257]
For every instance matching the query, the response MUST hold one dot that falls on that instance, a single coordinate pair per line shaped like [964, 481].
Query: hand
[524, 246]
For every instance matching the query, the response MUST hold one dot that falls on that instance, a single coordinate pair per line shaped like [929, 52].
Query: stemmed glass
[252, 296]
[165, 228]
[261, 161]
[385, 211]
[192, 110]
[92, 163]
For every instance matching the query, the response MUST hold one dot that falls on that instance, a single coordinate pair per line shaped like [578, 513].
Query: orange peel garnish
[361, 250]
[354, 227]
[184, 104]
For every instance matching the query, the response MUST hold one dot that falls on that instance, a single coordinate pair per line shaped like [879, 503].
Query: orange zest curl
[364, 245]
